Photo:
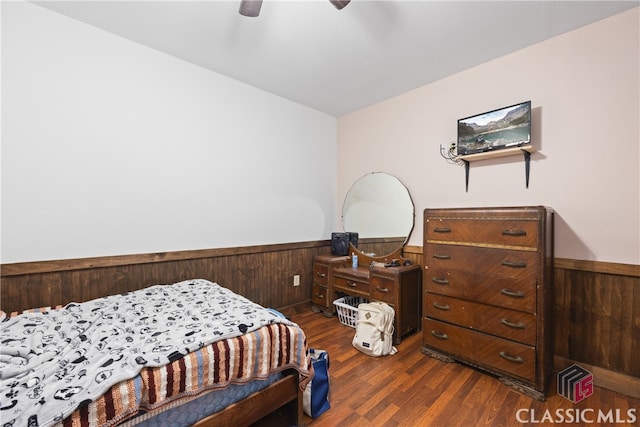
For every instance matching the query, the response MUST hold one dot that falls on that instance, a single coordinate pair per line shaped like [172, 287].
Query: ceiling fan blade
[339, 4]
[250, 8]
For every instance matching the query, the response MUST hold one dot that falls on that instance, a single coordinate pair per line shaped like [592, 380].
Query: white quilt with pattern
[53, 361]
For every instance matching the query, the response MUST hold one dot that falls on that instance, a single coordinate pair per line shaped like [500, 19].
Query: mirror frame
[396, 253]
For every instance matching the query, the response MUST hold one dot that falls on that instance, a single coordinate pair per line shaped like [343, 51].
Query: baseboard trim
[296, 308]
[604, 378]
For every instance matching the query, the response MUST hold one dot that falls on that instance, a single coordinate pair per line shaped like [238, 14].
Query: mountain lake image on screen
[506, 127]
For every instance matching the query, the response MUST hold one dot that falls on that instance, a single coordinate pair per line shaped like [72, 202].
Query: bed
[188, 353]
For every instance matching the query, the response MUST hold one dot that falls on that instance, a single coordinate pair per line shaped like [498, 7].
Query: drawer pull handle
[352, 284]
[514, 232]
[385, 290]
[440, 335]
[441, 306]
[321, 274]
[441, 256]
[440, 281]
[442, 230]
[518, 325]
[520, 264]
[319, 296]
[513, 294]
[514, 359]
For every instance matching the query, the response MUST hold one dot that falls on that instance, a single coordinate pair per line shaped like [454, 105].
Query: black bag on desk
[315, 399]
[340, 243]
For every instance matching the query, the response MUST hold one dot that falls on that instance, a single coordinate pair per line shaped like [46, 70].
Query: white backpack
[374, 329]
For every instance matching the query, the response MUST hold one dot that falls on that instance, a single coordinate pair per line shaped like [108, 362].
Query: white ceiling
[338, 61]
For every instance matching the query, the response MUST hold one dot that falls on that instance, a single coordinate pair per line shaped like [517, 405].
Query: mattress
[106, 360]
[184, 414]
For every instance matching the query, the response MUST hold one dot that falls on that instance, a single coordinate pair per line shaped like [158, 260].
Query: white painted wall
[110, 148]
[585, 93]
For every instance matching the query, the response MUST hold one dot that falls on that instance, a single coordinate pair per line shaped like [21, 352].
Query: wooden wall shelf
[525, 149]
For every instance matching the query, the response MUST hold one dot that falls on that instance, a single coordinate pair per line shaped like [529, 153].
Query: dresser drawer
[499, 231]
[503, 292]
[383, 289]
[491, 261]
[319, 295]
[351, 286]
[502, 322]
[447, 338]
[491, 352]
[320, 274]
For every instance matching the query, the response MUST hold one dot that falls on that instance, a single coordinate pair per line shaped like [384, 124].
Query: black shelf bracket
[527, 166]
[466, 175]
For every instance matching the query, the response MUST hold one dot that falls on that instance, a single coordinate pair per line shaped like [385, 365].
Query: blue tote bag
[315, 399]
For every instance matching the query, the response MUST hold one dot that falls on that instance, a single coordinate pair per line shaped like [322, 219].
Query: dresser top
[509, 211]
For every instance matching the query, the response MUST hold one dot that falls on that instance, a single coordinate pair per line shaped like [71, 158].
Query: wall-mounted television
[505, 127]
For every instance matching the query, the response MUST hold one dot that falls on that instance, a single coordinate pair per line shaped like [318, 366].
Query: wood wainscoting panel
[596, 309]
[263, 273]
[414, 253]
[597, 314]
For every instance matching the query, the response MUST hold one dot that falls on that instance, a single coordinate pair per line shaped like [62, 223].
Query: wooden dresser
[487, 291]
[400, 287]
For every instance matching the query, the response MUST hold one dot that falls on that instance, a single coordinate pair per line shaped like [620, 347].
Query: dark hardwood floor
[411, 389]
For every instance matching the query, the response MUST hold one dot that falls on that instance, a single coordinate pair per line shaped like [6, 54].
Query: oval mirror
[379, 208]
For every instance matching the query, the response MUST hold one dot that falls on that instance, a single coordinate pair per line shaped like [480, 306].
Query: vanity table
[400, 287]
[378, 207]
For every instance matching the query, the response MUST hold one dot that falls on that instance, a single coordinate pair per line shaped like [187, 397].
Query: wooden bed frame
[284, 395]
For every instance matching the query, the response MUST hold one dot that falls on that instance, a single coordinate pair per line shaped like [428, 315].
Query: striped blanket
[255, 355]
[100, 362]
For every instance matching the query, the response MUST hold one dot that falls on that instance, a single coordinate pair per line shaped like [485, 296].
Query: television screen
[494, 130]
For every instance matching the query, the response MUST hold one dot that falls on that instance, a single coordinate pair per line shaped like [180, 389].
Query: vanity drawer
[500, 291]
[351, 286]
[491, 261]
[320, 274]
[500, 231]
[491, 352]
[502, 322]
[319, 295]
[383, 289]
